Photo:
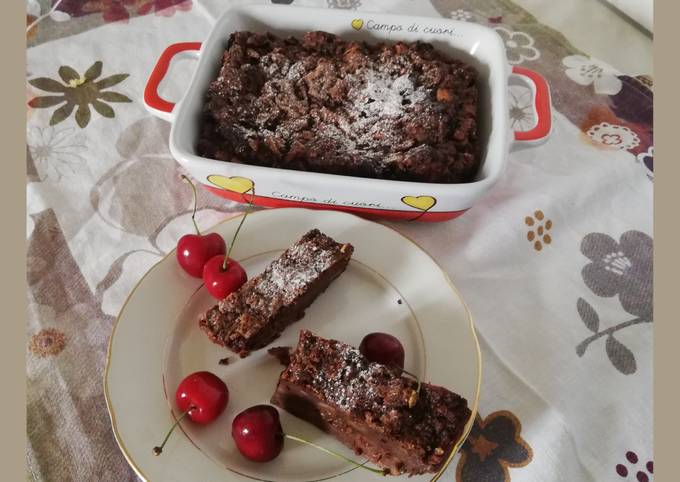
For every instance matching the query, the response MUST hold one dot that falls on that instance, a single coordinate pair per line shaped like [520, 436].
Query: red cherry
[383, 348]
[194, 250]
[204, 395]
[221, 282]
[257, 433]
[259, 436]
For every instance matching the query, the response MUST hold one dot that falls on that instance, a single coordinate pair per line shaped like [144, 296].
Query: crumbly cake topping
[324, 104]
[285, 278]
[297, 267]
[340, 375]
[301, 264]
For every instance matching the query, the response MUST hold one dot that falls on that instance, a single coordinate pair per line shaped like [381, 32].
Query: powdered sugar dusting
[299, 266]
[367, 120]
[383, 95]
[351, 384]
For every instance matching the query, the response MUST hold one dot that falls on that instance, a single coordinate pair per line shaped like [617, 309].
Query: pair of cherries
[205, 256]
[257, 431]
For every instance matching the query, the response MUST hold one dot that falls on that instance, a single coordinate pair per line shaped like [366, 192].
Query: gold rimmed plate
[390, 285]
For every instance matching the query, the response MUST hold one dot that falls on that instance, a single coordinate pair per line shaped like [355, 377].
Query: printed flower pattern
[642, 474]
[646, 80]
[647, 161]
[461, 15]
[30, 94]
[522, 116]
[120, 10]
[46, 343]
[613, 136]
[55, 152]
[519, 46]
[624, 269]
[634, 102]
[33, 30]
[164, 8]
[346, 4]
[78, 90]
[538, 233]
[34, 9]
[493, 446]
[586, 71]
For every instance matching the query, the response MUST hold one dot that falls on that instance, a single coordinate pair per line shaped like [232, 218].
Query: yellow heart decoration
[357, 23]
[419, 202]
[237, 184]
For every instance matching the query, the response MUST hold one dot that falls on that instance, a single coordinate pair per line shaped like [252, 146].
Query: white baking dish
[272, 187]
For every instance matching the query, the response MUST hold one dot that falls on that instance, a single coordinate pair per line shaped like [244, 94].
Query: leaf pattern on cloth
[49, 262]
[68, 336]
[620, 356]
[148, 176]
[621, 268]
[78, 90]
[494, 445]
[588, 314]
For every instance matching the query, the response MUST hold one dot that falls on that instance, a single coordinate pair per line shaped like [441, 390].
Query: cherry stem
[193, 189]
[334, 454]
[159, 449]
[233, 240]
[414, 395]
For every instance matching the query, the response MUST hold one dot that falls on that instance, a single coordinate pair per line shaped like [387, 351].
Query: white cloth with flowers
[555, 263]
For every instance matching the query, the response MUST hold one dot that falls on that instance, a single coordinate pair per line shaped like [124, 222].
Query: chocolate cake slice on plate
[365, 405]
[256, 314]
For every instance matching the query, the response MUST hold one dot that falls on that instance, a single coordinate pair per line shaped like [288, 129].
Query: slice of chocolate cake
[366, 406]
[256, 314]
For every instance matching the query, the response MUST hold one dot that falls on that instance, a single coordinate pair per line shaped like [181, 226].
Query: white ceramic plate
[390, 285]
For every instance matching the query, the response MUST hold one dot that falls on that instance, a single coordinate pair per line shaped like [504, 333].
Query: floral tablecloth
[555, 264]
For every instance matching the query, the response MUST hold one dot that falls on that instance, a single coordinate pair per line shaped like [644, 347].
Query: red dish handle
[542, 104]
[152, 100]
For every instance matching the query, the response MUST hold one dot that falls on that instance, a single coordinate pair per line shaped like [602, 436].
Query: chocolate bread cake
[319, 103]
[256, 314]
[366, 406]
